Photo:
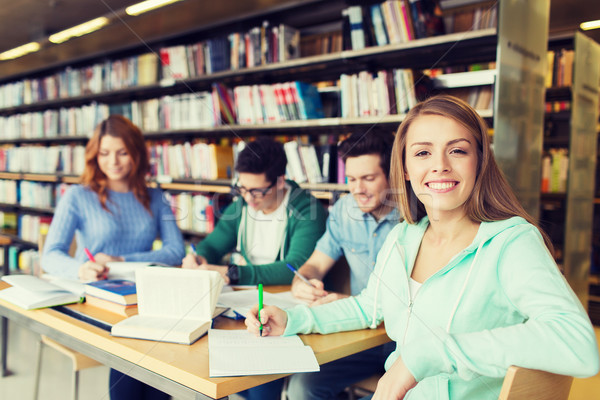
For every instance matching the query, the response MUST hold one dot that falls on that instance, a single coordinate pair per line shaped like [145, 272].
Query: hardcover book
[120, 291]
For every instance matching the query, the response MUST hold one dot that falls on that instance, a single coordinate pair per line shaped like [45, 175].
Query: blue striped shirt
[128, 231]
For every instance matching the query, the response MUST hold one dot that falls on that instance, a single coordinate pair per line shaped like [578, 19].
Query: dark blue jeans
[124, 387]
[267, 391]
[337, 375]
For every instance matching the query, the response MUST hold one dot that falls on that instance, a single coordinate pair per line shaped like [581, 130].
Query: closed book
[120, 291]
[121, 309]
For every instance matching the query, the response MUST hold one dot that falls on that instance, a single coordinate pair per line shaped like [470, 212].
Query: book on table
[174, 305]
[30, 292]
[120, 291]
[120, 309]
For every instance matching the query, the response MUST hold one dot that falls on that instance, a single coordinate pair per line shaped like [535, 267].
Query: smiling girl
[467, 285]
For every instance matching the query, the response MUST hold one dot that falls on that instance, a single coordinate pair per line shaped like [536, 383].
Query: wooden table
[180, 370]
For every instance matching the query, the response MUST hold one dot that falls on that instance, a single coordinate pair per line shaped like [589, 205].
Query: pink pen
[90, 256]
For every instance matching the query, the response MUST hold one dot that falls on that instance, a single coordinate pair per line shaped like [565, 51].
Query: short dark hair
[263, 156]
[360, 144]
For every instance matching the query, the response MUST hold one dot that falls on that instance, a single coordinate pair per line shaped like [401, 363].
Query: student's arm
[172, 250]
[224, 237]
[327, 251]
[355, 312]
[557, 336]
[306, 229]
[55, 258]
[314, 270]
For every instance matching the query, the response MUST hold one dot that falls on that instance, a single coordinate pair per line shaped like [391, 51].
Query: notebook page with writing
[238, 353]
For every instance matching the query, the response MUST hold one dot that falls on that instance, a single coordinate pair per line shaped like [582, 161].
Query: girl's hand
[274, 321]
[395, 383]
[90, 271]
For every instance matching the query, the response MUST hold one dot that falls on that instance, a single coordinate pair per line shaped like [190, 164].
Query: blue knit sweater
[128, 231]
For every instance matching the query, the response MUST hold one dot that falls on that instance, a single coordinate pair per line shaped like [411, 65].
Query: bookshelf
[449, 50]
[572, 125]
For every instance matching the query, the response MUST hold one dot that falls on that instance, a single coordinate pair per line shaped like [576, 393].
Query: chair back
[531, 384]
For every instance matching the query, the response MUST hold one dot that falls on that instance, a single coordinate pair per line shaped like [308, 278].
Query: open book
[174, 305]
[30, 292]
[238, 352]
[240, 302]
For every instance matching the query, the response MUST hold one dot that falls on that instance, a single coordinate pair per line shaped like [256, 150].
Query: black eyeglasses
[255, 193]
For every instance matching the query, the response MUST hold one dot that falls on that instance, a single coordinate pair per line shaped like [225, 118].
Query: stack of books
[115, 295]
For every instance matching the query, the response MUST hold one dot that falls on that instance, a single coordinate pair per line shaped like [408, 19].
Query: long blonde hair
[119, 127]
[492, 198]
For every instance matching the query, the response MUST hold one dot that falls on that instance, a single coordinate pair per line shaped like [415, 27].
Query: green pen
[260, 305]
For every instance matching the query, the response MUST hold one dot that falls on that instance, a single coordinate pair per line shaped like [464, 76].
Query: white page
[125, 269]
[241, 337]
[243, 300]
[177, 293]
[237, 353]
[31, 283]
[74, 286]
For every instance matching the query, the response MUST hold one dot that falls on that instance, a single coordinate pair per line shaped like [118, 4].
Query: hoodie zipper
[411, 300]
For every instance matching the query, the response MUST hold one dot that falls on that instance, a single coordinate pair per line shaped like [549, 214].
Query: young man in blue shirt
[356, 228]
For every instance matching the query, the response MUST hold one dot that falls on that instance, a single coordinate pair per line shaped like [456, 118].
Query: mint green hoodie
[500, 302]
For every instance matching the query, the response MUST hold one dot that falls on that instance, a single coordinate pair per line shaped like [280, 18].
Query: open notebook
[174, 305]
[238, 352]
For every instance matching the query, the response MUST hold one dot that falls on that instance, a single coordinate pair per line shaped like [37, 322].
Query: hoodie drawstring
[464, 287]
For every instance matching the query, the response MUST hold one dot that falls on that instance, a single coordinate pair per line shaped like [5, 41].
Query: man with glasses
[356, 228]
[271, 223]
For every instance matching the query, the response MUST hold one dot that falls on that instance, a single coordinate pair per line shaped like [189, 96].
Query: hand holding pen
[305, 289]
[272, 319]
[91, 270]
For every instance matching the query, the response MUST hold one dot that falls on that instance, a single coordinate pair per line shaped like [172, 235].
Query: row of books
[560, 68]
[261, 45]
[66, 159]
[193, 211]
[244, 105]
[8, 191]
[31, 194]
[72, 121]
[557, 106]
[28, 226]
[198, 160]
[400, 21]
[555, 170]
[479, 97]
[21, 260]
[471, 18]
[73, 82]
[386, 92]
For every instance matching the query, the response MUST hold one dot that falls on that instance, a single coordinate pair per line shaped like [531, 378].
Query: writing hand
[328, 299]
[395, 383]
[192, 261]
[306, 292]
[91, 271]
[274, 321]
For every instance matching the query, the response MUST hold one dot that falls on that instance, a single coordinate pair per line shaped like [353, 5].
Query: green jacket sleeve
[306, 225]
[223, 239]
